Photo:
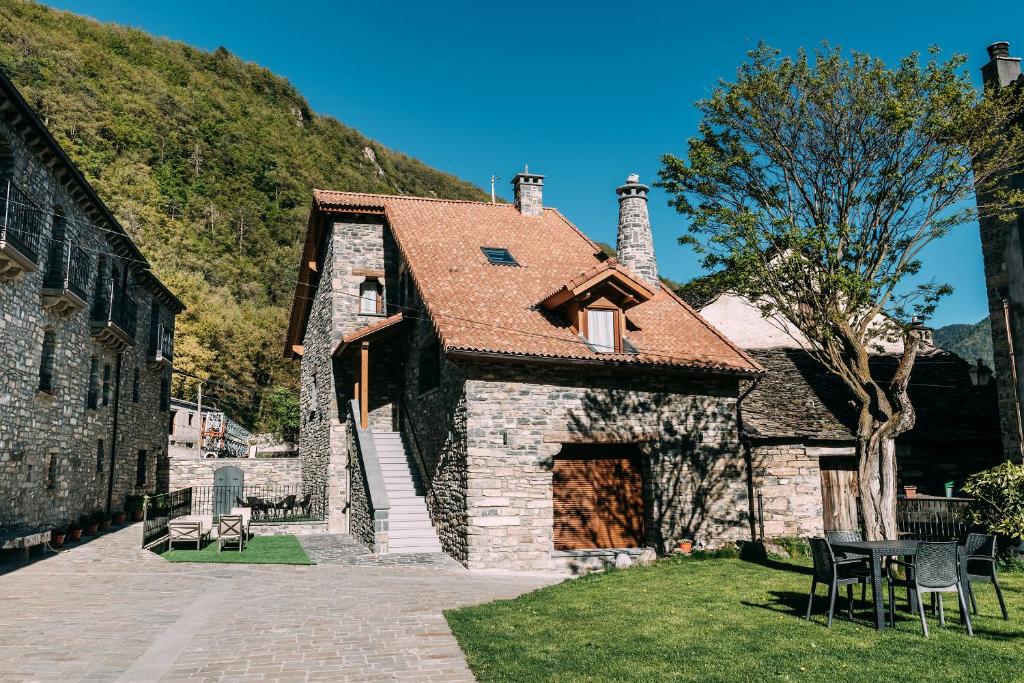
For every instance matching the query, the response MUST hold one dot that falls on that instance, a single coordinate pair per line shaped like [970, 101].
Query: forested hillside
[209, 164]
[970, 342]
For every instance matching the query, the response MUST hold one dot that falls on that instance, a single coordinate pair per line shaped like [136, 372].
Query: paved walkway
[107, 611]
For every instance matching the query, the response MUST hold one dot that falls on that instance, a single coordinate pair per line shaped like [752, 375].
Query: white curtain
[368, 297]
[601, 330]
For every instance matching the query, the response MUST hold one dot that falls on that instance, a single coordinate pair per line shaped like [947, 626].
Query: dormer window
[594, 304]
[371, 297]
[601, 329]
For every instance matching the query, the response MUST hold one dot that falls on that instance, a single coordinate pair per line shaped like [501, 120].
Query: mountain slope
[209, 163]
[970, 342]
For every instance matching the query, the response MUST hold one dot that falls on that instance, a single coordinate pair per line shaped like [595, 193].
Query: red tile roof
[367, 332]
[478, 306]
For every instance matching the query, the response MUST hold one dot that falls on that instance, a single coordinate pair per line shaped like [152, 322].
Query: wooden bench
[186, 531]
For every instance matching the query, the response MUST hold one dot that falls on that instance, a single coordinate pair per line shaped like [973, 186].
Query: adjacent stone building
[1002, 247]
[86, 338]
[797, 422]
[482, 378]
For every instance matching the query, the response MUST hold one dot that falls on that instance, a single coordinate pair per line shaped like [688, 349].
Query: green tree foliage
[209, 163]
[283, 414]
[998, 503]
[814, 185]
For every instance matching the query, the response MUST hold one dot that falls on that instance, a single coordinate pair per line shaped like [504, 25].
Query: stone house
[798, 425]
[1002, 248]
[481, 378]
[86, 338]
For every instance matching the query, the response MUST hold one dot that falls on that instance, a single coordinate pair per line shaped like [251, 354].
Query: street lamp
[980, 374]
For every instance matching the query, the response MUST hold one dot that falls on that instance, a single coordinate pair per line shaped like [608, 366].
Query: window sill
[48, 394]
[372, 315]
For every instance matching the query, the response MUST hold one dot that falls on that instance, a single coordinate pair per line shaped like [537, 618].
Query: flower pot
[137, 515]
[686, 547]
[119, 518]
[74, 534]
[104, 524]
[91, 529]
[949, 488]
[910, 490]
[56, 539]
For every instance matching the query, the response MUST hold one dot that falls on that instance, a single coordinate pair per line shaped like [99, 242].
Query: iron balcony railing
[160, 509]
[931, 519]
[21, 221]
[280, 503]
[115, 306]
[161, 344]
[67, 268]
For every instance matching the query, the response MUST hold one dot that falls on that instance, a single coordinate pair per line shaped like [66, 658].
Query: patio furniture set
[281, 509]
[844, 558]
[231, 529]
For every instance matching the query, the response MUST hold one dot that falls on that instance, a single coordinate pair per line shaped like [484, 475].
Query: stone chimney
[635, 245]
[1002, 69]
[529, 192]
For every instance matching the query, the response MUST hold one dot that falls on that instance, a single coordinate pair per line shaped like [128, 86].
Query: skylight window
[499, 256]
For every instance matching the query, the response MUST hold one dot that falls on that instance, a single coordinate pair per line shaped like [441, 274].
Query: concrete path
[107, 611]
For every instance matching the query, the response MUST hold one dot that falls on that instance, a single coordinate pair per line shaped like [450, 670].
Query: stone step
[421, 526]
[436, 548]
[411, 534]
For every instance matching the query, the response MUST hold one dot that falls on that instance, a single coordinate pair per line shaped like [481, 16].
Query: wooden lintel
[311, 264]
[367, 272]
[576, 437]
[298, 349]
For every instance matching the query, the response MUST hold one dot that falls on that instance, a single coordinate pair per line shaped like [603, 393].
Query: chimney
[528, 189]
[635, 245]
[1002, 69]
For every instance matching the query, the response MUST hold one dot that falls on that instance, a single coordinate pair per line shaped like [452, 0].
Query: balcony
[21, 231]
[161, 347]
[66, 279]
[113, 317]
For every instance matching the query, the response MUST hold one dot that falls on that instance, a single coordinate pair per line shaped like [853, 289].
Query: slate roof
[477, 306]
[798, 398]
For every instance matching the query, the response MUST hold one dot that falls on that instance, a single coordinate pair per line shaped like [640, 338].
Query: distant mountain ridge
[209, 163]
[970, 342]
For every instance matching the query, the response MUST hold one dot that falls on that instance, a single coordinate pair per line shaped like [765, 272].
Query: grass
[684, 619]
[258, 550]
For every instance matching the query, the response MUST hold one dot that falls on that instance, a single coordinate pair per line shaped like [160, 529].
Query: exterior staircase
[409, 526]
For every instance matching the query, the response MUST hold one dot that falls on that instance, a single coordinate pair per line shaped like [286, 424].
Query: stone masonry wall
[790, 481]
[44, 434]
[255, 471]
[1003, 257]
[519, 417]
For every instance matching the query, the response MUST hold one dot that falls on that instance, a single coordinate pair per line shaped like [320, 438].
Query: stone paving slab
[108, 611]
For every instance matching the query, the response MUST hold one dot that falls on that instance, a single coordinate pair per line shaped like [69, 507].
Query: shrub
[998, 503]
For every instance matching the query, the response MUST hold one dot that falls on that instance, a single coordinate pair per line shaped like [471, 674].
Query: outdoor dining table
[876, 550]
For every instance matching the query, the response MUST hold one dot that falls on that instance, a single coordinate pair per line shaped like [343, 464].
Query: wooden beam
[364, 377]
[298, 349]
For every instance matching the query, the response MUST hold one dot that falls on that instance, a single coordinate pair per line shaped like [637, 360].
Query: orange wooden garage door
[598, 502]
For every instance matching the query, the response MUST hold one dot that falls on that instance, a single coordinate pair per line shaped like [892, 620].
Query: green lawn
[725, 620]
[259, 550]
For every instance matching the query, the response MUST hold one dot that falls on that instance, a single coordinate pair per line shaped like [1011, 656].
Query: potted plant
[686, 546]
[74, 531]
[910, 490]
[57, 536]
[102, 519]
[89, 526]
[119, 517]
[135, 506]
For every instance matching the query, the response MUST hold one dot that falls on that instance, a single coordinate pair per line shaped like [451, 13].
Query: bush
[998, 503]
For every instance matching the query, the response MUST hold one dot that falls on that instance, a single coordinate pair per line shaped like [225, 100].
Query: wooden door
[598, 500]
[839, 492]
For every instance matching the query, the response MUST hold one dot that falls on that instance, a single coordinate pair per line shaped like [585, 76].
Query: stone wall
[519, 417]
[789, 479]
[55, 452]
[255, 471]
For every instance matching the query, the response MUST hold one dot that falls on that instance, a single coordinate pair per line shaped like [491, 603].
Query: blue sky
[583, 92]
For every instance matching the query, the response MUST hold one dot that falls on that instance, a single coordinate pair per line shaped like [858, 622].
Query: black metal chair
[240, 503]
[936, 570]
[305, 504]
[979, 566]
[850, 536]
[833, 574]
[257, 505]
[285, 505]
